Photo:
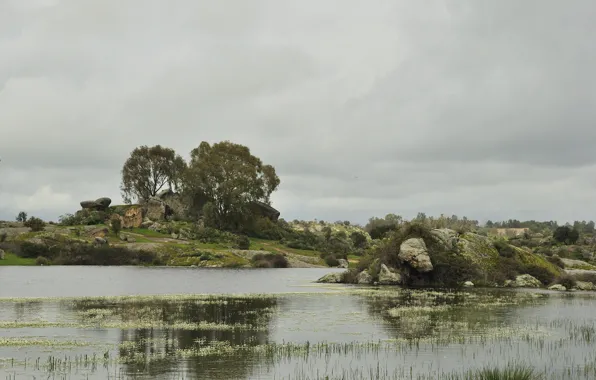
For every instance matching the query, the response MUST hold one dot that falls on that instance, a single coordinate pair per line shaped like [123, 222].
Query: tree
[22, 217]
[229, 177]
[148, 170]
[565, 234]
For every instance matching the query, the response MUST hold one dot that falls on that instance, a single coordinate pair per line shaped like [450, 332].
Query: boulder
[468, 284]
[103, 203]
[414, 253]
[447, 237]
[123, 237]
[364, 278]
[133, 218]
[156, 209]
[524, 281]
[264, 210]
[99, 232]
[557, 287]
[584, 285]
[387, 277]
[331, 278]
[343, 263]
[100, 241]
[89, 204]
[2, 254]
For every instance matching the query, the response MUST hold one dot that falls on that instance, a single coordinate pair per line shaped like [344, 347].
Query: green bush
[35, 224]
[116, 224]
[243, 242]
[358, 239]
[540, 273]
[504, 249]
[331, 261]
[555, 259]
[269, 260]
[3, 236]
[41, 260]
[567, 281]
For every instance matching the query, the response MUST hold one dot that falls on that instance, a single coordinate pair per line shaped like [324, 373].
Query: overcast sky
[468, 107]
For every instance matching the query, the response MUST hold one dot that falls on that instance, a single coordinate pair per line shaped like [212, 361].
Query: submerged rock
[557, 287]
[414, 253]
[364, 278]
[331, 278]
[387, 277]
[524, 281]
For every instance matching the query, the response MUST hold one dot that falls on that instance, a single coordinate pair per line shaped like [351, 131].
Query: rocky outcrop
[331, 278]
[584, 285]
[523, 281]
[558, 287]
[100, 204]
[414, 253]
[98, 241]
[387, 277]
[343, 263]
[364, 278]
[448, 238]
[133, 218]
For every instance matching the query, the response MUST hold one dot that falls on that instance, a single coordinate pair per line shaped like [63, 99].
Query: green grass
[12, 259]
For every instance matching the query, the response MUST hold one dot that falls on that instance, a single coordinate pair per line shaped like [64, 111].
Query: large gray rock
[447, 237]
[331, 278]
[387, 277]
[2, 254]
[468, 284]
[524, 281]
[103, 202]
[414, 253]
[584, 285]
[100, 241]
[89, 204]
[343, 263]
[558, 287]
[364, 278]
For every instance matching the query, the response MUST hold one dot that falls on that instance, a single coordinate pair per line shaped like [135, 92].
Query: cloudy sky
[467, 107]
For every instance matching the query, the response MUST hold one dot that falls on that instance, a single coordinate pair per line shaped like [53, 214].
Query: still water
[191, 323]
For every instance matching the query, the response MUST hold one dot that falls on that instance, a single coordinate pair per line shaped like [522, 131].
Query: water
[190, 323]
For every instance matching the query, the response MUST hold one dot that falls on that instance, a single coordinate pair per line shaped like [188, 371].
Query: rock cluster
[523, 281]
[100, 204]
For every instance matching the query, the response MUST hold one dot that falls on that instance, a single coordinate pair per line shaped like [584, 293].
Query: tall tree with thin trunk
[149, 170]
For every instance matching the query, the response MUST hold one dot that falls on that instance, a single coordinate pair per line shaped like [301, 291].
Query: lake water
[191, 323]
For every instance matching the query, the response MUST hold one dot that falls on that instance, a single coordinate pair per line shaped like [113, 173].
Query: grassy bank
[12, 259]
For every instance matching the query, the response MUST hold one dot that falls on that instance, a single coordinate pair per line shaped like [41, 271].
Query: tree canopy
[230, 178]
[148, 170]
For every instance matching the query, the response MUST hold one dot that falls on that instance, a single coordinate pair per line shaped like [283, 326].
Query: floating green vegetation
[24, 342]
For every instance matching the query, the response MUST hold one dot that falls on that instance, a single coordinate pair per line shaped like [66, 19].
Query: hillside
[179, 248]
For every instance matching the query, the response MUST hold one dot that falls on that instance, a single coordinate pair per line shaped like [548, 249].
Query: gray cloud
[476, 108]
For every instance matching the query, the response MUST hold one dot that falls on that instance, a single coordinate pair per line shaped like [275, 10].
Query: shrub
[358, 239]
[116, 224]
[555, 259]
[243, 242]
[566, 280]
[41, 260]
[3, 236]
[452, 270]
[69, 220]
[269, 260]
[331, 261]
[504, 249]
[35, 224]
[542, 274]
